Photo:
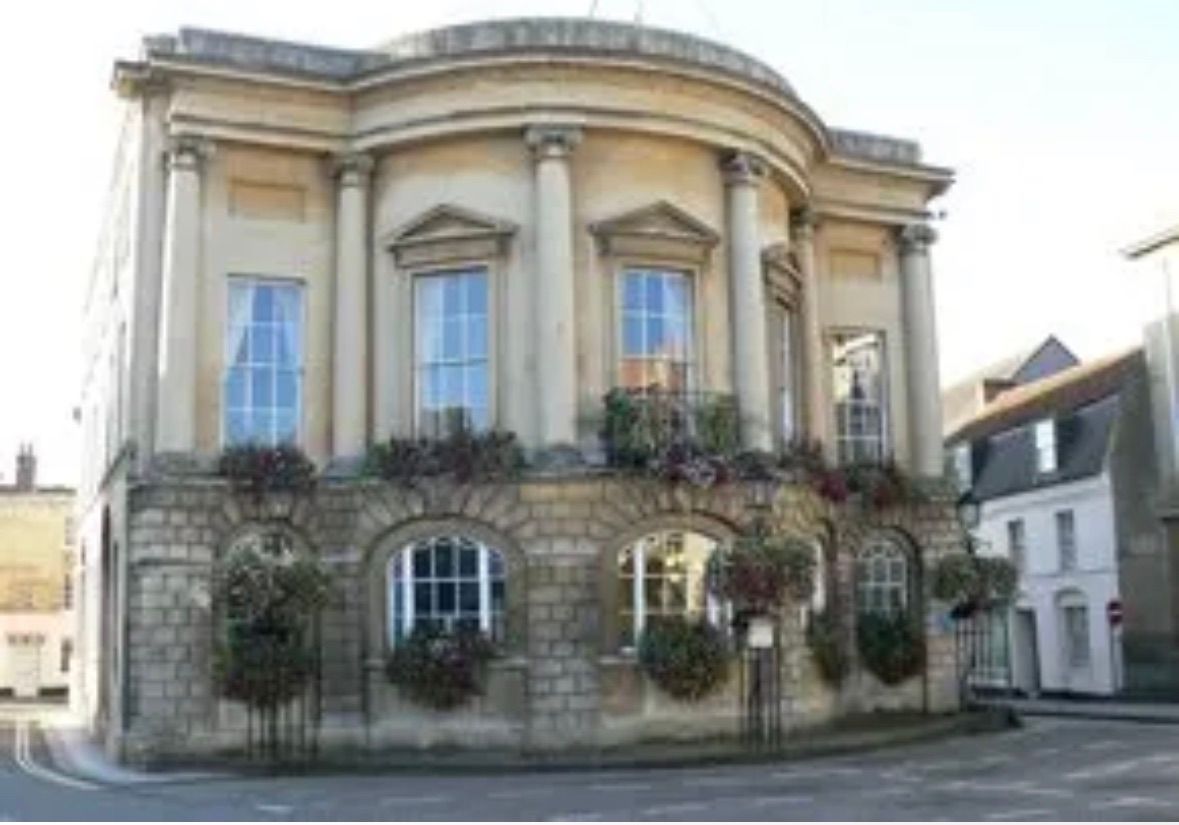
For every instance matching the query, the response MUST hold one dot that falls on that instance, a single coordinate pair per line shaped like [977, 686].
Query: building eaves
[1052, 396]
[1150, 244]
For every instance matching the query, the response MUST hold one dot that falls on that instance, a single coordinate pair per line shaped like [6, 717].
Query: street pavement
[1051, 769]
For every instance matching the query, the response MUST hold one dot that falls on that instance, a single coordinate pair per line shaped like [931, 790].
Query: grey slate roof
[1005, 463]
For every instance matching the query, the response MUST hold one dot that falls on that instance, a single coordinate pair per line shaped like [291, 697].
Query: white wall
[51, 629]
[1042, 582]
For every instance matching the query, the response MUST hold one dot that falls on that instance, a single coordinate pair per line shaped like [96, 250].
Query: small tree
[268, 596]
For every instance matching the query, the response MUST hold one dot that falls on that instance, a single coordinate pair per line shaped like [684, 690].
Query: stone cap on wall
[498, 37]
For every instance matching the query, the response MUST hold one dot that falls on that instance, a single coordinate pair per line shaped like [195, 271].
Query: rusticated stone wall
[561, 681]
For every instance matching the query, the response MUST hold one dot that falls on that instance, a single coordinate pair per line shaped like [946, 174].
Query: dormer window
[1046, 446]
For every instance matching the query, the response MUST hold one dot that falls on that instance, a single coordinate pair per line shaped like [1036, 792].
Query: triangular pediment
[446, 222]
[660, 220]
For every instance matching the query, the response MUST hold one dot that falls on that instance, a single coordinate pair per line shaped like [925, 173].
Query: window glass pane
[263, 304]
[262, 344]
[422, 562]
[235, 388]
[446, 597]
[237, 430]
[476, 336]
[468, 561]
[423, 598]
[443, 559]
[653, 293]
[286, 429]
[632, 335]
[262, 426]
[286, 390]
[476, 294]
[469, 596]
[632, 291]
[452, 338]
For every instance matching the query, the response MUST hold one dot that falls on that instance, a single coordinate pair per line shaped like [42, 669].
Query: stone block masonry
[560, 538]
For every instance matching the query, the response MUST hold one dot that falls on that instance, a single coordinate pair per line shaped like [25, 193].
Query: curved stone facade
[604, 183]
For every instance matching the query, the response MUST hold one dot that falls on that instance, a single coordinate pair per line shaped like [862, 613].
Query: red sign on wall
[1114, 611]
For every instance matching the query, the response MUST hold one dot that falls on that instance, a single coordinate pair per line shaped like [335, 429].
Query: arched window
[663, 574]
[446, 583]
[882, 577]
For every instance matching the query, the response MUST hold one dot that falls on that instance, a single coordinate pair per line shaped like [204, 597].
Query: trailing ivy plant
[259, 469]
[465, 455]
[688, 660]
[827, 641]
[891, 645]
[760, 571]
[440, 670]
[267, 600]
[873, 486]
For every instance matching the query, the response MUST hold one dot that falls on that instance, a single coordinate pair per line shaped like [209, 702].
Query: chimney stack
[26, 468]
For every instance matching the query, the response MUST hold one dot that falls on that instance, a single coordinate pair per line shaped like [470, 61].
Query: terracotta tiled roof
[1059, 393]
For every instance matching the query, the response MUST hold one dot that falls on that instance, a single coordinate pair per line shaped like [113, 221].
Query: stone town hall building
[509, 219]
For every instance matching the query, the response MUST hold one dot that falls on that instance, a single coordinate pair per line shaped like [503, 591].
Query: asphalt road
[1051, 769]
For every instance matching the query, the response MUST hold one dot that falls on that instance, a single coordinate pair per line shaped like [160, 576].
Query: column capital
[352, 168]
[742, 168]
[916, 238]
[187, 152]
[552, 140]
[803, 222]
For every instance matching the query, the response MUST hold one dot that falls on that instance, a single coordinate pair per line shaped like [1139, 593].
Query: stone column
[176, 428]
[553, 286]
[814, 380]
[751, 378]
[350, 341]
[925, 409]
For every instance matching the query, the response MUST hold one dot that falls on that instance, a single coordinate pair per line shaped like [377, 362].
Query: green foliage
[969, 582]
[954, 578]
[465, 455]
[642, 429]
[688, 660]
[259, 469]
[440, 670]
[827, 641]
[891, 645]
[759, 572]
[264, 657]
[998, 577]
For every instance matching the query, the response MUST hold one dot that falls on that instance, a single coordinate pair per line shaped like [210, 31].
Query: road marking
[717, 781]
[675, 808]
[22, 754]
[766, 801]
[520, 793]
[414, 800]
[587, 817]
[1133, 802]
[1025, 813]
[1126, 766]
[268, 808]
[620, 787]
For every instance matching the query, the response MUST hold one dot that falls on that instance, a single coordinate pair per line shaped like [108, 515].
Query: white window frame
[1066, 540]
[883, 402]
[715, 611]
[399, 574]
[1076, 656]
[690, 277]
[416, 365]
[1017, 544]
[1045, 439]
[865, 581]
[228, 356]
[787, 367]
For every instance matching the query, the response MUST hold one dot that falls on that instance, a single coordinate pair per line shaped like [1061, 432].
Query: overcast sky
[1059, 116]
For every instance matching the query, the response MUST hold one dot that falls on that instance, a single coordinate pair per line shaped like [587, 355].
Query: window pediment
[448, 233]
[658, 230]
[781, 273]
